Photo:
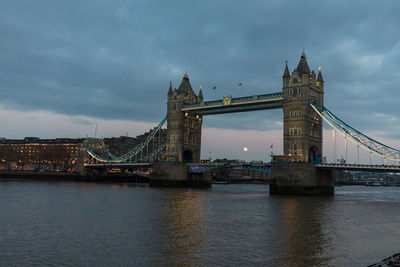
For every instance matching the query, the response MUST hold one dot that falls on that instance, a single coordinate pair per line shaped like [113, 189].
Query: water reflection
[182, 233]
[303, 241]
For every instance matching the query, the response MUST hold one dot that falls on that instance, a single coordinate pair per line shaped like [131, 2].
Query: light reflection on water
[181, 234]
[303, 241]
[126, 224]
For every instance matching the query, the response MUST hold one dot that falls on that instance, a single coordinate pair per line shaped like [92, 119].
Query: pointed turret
[200, 95]
[303, 68]
[320, 75]
[185, 85]
[286, 74]
[170, 88]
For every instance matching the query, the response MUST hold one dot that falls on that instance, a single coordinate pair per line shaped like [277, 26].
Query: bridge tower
[184, 129]
[302, 137]
[183, 143]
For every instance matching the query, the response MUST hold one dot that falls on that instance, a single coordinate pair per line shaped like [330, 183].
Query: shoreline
[71, 177]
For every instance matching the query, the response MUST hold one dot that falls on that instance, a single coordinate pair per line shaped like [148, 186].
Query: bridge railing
[359, 167]
[205, 167]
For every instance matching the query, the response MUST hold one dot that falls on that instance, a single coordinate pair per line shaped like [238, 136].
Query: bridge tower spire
[286, 75]
[302, 126]
[183, 129]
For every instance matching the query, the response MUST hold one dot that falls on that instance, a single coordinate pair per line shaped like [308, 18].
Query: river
[89, 224]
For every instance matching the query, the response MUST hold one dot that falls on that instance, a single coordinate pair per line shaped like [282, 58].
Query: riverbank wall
[73, 177]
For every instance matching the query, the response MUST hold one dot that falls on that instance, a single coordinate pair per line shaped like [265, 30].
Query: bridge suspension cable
[154, 153]
[355, 136]
[134, 151]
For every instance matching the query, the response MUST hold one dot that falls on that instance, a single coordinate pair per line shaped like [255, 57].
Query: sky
[66, 66]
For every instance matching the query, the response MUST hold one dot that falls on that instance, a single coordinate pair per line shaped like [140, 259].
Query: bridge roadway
[117, 165]
[222, 164]
[359, 167]
[323, 166]
[239, 104]
[204, 166]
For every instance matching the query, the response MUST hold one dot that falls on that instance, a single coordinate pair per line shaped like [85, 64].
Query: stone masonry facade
[302, 125]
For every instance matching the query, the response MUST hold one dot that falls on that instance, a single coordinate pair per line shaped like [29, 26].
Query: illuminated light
[245, 149]
[319, 67]
[186, 114]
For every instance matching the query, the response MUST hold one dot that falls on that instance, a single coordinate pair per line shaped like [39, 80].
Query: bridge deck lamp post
[334, 145]
[345, 148]
[272, 152]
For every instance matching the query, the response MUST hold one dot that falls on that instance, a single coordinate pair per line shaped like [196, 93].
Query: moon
[245, 149]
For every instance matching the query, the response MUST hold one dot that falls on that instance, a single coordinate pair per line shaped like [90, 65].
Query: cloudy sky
[67, 65]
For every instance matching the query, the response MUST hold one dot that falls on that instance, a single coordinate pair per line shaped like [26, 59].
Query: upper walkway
[238, 104]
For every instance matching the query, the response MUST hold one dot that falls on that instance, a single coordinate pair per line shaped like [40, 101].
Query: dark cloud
[114, 59]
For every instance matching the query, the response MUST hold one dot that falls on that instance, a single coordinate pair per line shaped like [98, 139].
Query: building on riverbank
[33, 150]
[32, 153]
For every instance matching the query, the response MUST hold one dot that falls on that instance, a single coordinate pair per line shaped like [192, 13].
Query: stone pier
[296, 178]
[176, 174]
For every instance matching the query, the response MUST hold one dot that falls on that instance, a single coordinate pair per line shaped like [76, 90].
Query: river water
[229, 225]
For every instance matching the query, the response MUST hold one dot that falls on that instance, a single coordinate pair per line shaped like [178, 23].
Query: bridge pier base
[174, 174]
[296, 178]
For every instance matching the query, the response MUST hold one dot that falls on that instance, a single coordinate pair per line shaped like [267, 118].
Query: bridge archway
[187, 156]
[314, 155]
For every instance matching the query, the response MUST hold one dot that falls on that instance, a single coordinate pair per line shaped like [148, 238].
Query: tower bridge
[299, 170]
[302, 129]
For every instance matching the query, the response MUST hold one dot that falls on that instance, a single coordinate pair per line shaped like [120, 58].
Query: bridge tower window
[294, 114]
[295, 131]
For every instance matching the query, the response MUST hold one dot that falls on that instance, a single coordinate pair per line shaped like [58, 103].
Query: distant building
[39, 151]
[33, 150]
